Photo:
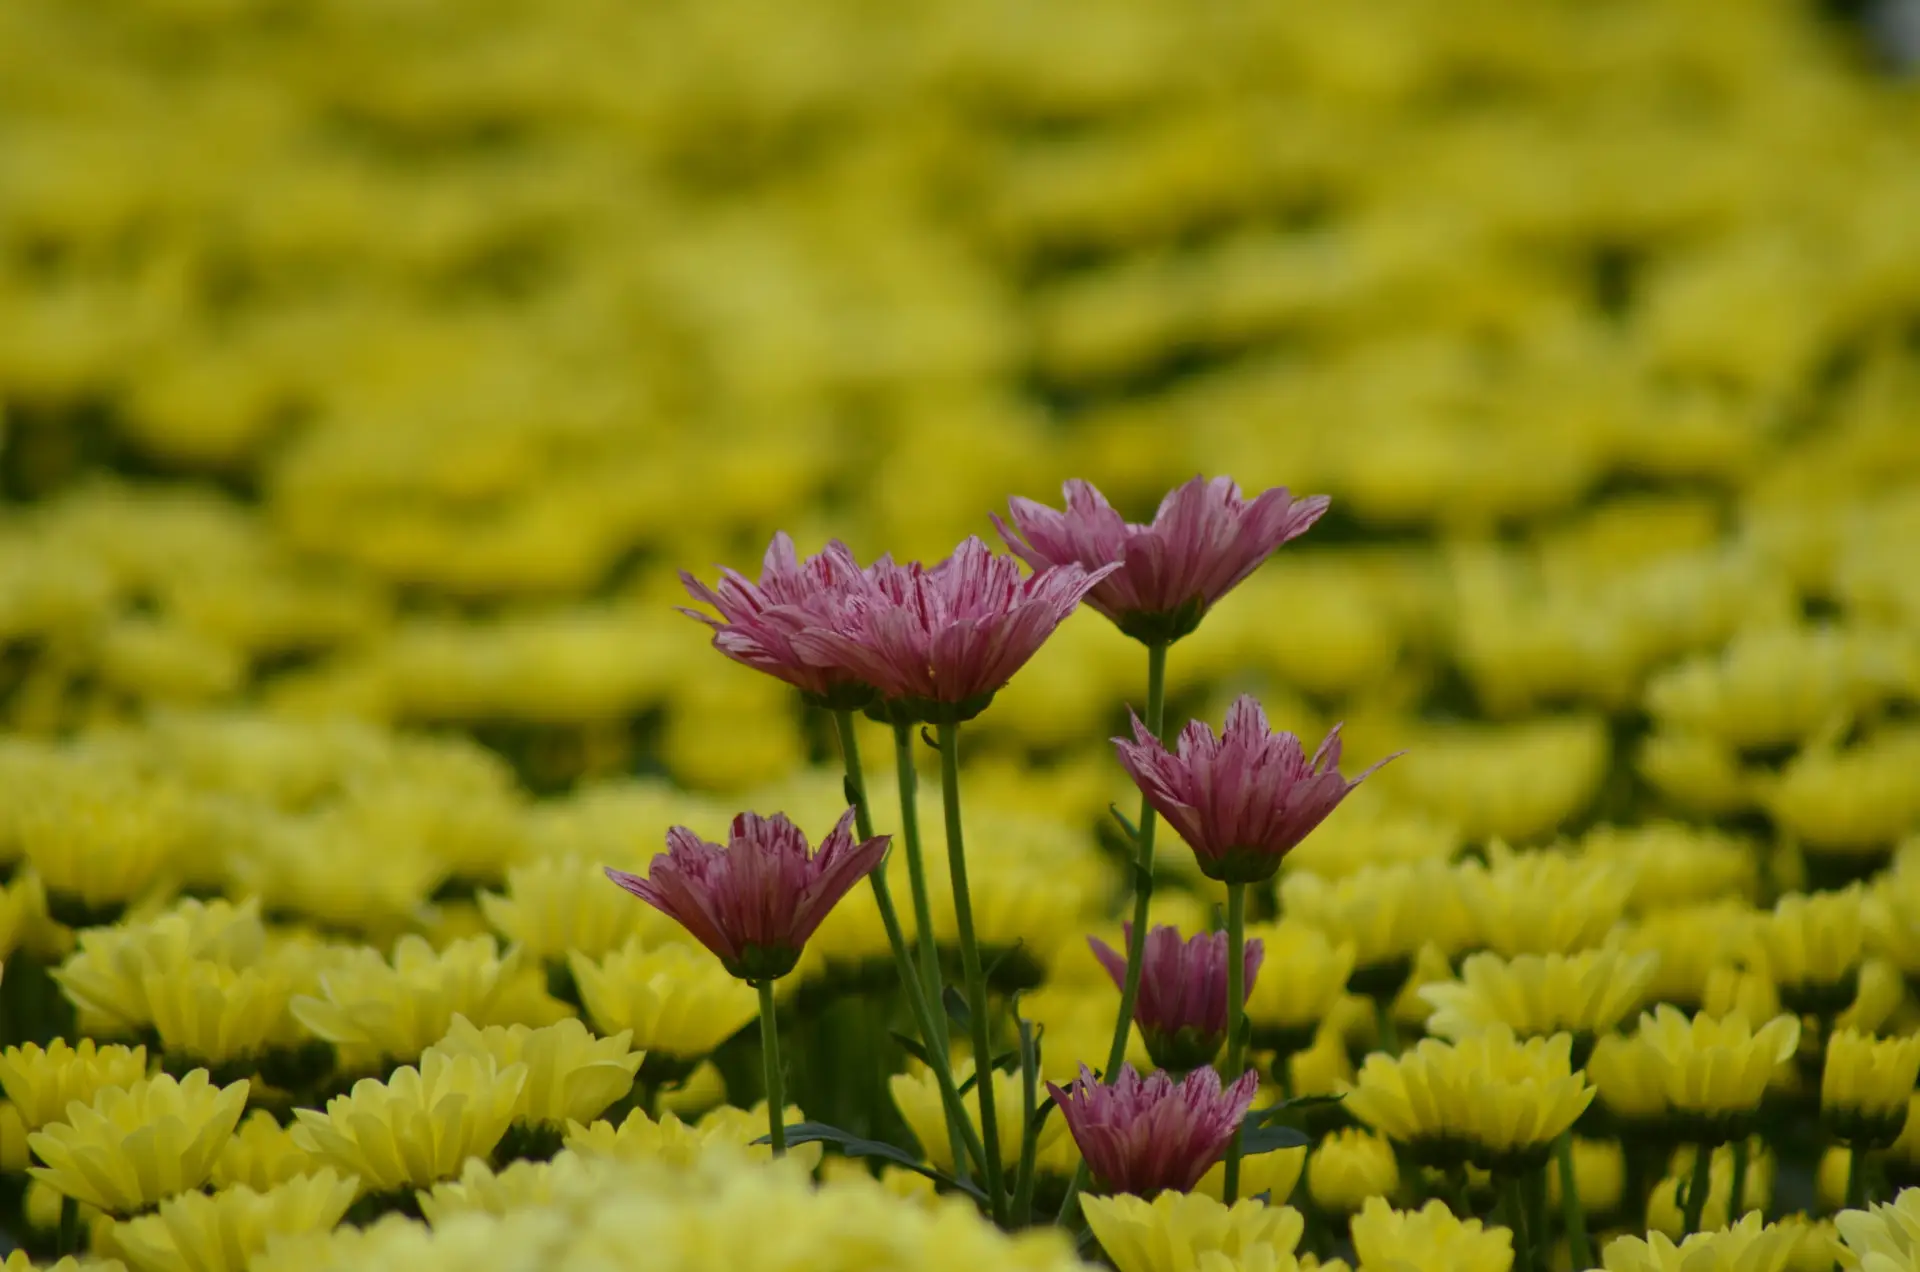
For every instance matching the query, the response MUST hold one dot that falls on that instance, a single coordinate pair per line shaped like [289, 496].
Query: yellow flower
[571, 1075]
[19, 1262]
[1542, 902]
[1885, 1237]
[221, 1233]
[41, 1083]
[521, 1184]
[695, 1094]
[1816, 1245]
[261, 1154]
[418, 1126]
[917, 1096]
[1489, 1099]
[1273, 1174]
[1891, 912]
[1692, 941]
[1674, 865]
[14, 1158]
[1348, 1167]
[1386, 913]
[676, 1000]
[1587, 993]
[1599, 1176]
[214, 1015]
[1711, 1071]
[134, 1146]
[1176, 1232]
[1695, 771]
[1750, 1245]
[1664, 1212]
[1288, 1009]
[107, 976]
[25, 923]
[677, 1143]
[102, 838]
[559, 905]
[398, 1009]
[1813, 945]
[1325, 1068]
[1431, 1237]
[1865, 1086]
[1881, 993]
[1745, 990]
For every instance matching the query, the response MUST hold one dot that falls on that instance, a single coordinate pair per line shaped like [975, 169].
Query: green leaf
[1268, 1139]
[998, 1061]
[853, 1146]
[1127, 827]
[1298, 1104]
[912, 1047]
[956, 1005]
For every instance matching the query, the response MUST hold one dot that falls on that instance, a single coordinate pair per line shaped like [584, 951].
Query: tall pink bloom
[938, 642]
[1201, 544]
[758, 622]
[1182, 1008]
[755, 901]
[1146, 1135]
[1242, 800]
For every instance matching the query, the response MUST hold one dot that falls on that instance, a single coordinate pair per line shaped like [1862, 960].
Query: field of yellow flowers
[390, 876]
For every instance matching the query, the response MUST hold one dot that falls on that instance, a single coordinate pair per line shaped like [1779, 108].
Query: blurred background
[385, 359]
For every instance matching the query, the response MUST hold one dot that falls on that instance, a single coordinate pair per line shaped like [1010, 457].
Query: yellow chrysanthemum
[102, 838]
[261, 1154]
[1489, 1098]
[1325, 1068]
[398, 1009]
[14, 1157]
[1885, 1237]
[1665, 1213]
[1272, 1175]
[25, 923]
[1865, 1086]
[1891, 912]
[1535, 995]
[19, 1262]
[640, 1138]
[107, 976]
[560, 905]
[134, 1146]
[1813, 945]
[42, 1082]
[1750, 1245]
[676, 1000]
[1692, 941]
[211, 1014]
[1599, 1176]
[917, 1096]
[1675, 865]
[1289, 1008]
[1431, 1237]
[1710, 1070]
[521, 1184]
[1350, 1166]
[1816, 1244]
[222, 1232]
[1386, 913]
[571, 1075]
[1178, 1231]
[418, 1126]
[1542, 902]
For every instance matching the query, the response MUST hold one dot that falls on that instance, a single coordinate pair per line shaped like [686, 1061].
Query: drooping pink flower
[1241, 800]
[1146, 1135]
[1201, 544]
[939, 641]
[755, 901]
[1182, 1007]
[758, 622]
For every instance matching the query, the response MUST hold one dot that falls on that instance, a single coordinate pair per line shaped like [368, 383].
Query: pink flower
[759, 622]
[755, 901]
[1203, 541]
[938, 642]
[1146, 1135]
[1182, 1008]
[1241, 800]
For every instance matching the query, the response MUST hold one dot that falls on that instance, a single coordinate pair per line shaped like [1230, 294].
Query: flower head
[917, 1096]
[1814, 944]
[1349, 1167]
[1204, 540]
[1180, 1230]
[1586, 993]
[1182, 1008]
[1749, 1244]
[42, 1082]
[1886, 1237]
[398, 1008]
[758, 623]
[1145, 1135]
[1431, 1237]
[418, 1126]
[939, 641]
[135, 1145]
[1288, 1009]
[221, 1233]
[678, 1001]
[1243, 799]
[755, 901]
[571, 1075]
[1711, 1071]
[1865, 1086]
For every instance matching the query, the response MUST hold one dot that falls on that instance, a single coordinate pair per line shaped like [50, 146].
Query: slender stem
[1856, 1178]
[917, 877]
[1737, 1199]
[770, 1062]
[1387, 1027]
[1236, 1019]
[69, 1226]
[1572, 1214]
[1516, 1204]
[970, 965]
[925, 1019]
[1459, 1195]
[1697, 1189]
[1029, 1132]
[1533, 1191]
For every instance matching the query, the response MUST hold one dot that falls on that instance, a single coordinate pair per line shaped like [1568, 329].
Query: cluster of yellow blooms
[369, 371]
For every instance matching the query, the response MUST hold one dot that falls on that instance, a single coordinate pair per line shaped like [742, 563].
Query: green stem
[1697, 1188]
[929, 942]
[1533, 1189]
[970, 966]
[925, 1018]
[1516, 1203]
[69, 1227]
[1572, 1214]
[1856, 1178]
[1029, 1131]
[1386, 1026]
[1142, 897]
[1459, 1195]
[1236, 1020]
[1737, 1199]
[770, 1064]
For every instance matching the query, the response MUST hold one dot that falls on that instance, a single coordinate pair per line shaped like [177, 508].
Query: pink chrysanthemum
[1241, 800]
[938, 642]
[1146, 1135]
[1182, 1008]
[1201, 544]
[755, 901]
[758, 622]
